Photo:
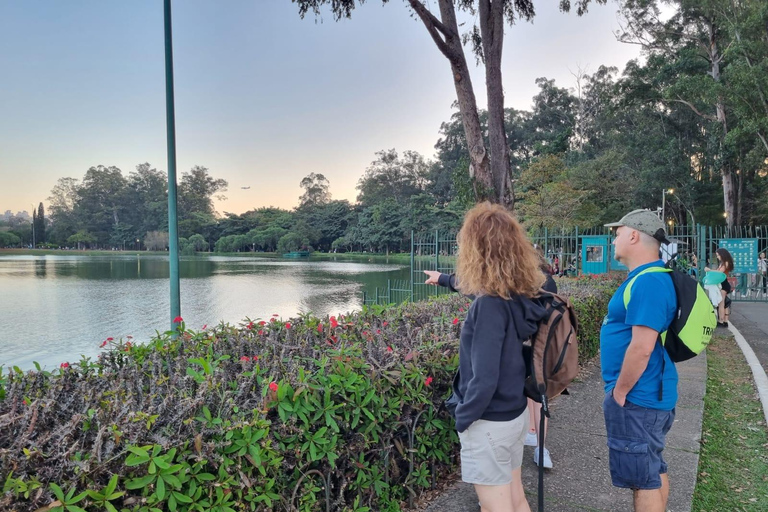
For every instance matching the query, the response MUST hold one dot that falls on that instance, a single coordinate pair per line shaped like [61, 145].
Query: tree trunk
[492, 32]
[445, 34]
[730, 203]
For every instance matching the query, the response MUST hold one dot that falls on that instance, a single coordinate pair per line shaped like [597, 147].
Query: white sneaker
[547, 459]
[530, 439]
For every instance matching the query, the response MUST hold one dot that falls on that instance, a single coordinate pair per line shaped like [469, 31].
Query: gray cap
[644, 221]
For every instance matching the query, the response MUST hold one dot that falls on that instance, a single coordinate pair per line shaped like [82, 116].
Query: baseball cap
[644, 221]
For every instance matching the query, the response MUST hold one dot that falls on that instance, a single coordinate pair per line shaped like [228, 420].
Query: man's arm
[635, 361]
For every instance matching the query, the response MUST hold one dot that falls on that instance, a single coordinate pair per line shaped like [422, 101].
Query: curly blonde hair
[495, 256]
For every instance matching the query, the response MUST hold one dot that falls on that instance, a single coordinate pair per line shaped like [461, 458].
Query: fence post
[412, 265]
[546, 243]
[437, 250]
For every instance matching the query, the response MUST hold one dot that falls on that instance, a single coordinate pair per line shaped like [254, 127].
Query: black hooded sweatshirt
[489, 383]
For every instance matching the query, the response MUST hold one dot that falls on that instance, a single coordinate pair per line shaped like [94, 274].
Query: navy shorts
[636, 438]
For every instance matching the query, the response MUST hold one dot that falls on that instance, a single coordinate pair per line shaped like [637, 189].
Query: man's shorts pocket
[629, 462]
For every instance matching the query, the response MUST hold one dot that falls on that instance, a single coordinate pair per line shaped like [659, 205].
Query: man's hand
[432, 278]
[619, 399]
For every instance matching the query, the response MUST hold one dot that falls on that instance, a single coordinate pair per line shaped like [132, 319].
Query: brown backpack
[553, 360]
[554, 354]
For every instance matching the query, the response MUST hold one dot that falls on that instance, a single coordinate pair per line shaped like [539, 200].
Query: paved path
[580, 480]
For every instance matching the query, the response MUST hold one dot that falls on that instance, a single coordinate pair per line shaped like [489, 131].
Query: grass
[733, 464]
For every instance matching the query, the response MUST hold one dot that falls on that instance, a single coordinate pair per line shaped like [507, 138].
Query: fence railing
[694, 245]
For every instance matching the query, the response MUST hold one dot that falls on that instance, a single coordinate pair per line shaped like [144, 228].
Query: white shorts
[490, 450]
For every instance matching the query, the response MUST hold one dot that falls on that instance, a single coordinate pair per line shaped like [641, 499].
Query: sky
[263, 98]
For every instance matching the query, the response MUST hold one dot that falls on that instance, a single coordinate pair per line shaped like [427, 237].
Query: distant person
[498, 266]
[725, 265]
[762, 273]
[640, 378]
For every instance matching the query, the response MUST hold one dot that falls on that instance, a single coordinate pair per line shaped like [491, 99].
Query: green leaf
[138, 483]
[182, 498]
[57, 491]
[160, 490]
[111, 486]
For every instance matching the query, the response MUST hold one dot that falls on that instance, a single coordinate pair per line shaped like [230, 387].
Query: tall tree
[490, 173]
[40, 224]
[197, 190]
[316, 190]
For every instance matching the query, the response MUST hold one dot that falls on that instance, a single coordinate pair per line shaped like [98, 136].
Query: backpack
[694, 322]
[553, 357]
[553, 360]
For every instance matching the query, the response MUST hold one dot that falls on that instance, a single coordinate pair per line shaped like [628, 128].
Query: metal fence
[693, 247]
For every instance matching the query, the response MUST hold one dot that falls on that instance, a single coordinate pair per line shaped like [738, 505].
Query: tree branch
[690, 105]
[434, 26]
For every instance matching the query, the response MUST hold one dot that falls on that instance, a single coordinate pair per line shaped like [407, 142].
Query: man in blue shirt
[640, 378]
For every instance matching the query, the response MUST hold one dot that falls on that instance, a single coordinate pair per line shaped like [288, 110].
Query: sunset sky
[263, 98]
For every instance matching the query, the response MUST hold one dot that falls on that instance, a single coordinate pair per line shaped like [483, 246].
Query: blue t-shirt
[652, 304]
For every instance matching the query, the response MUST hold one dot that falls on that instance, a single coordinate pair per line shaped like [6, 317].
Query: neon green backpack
[695, 320]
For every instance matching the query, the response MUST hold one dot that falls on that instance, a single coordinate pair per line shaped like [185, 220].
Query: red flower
[378, 331]
[249, 326]
[205, 326]
[461, 310]
[104, 343]
[255, 358]
[128, 346]
[272, 320]
[245, 359]
[262, 323]
[455, 321]
[24, 401]
[389, 349]
[64, 365]
[261, 333]
[319, 327]
[365, 333]
[273, 386]
[275, 315]
[428, 381]
[110, 339]
[129, 337]
[287, 325]
[384, 324]
[178, 320]
[334, 323]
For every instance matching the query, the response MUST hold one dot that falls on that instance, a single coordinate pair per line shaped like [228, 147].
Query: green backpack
[695, 320]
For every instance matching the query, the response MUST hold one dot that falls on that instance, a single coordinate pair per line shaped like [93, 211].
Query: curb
[758, 373]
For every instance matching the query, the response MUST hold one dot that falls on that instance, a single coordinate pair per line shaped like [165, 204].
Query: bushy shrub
[268, 415]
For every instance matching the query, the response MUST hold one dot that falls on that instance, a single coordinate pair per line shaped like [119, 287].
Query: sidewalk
[580, 480]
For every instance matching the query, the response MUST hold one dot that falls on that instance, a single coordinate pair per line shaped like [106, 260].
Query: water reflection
[55, 308]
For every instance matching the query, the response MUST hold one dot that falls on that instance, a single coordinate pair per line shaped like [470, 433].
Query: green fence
[693, 247]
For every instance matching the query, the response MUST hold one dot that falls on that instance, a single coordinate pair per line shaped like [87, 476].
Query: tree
[390, 176]
[9, 239]
[712, 51]
[61, 208]
[39, 220]
[315, 190]
[196, 192]
[98, 206]
[490, 174]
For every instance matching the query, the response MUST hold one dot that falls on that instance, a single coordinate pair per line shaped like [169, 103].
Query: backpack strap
[662, 335]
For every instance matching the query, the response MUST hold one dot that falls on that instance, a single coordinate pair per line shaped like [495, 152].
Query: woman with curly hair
[499, 266]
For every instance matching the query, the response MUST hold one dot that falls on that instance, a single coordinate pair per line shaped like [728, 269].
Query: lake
[53, 308]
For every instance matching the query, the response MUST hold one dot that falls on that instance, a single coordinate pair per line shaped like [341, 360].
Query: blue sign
[744, 253]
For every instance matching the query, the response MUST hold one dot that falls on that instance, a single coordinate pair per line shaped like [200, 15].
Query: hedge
[269, 415]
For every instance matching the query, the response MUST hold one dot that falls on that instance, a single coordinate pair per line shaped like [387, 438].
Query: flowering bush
[234, 418]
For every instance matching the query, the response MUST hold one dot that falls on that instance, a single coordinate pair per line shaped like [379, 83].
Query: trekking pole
[544, 414]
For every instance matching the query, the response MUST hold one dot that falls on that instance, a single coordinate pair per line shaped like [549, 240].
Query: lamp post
[664, 201]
